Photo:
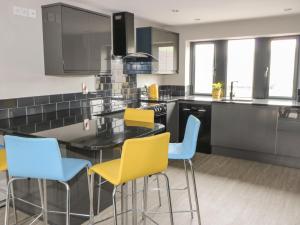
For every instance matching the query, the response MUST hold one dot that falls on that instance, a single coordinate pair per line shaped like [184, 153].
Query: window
[282, 68]
[240, 67]
[203, 67]
[166, 59]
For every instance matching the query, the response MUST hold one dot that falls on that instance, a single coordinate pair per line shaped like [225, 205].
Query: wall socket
[25, 12]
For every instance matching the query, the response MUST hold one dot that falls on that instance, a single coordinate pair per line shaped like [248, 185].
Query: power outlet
[32, 13]
[25, 12]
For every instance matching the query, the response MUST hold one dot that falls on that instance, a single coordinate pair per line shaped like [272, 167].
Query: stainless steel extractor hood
[124, 47]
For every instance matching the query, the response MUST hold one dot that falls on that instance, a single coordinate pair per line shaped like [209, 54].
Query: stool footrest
[110, 217]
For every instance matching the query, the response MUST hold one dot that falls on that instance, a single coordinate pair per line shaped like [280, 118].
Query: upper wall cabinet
[76, 41]
[163, 45]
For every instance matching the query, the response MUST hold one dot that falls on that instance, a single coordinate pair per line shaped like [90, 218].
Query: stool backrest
[140, 115]
[191, 135]
[3, 164]
[144, 156]
[33, 157]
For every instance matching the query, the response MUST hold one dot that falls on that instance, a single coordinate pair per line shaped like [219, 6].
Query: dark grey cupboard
[288, 140]
[76, 41]
[246, 127]
[163, 45]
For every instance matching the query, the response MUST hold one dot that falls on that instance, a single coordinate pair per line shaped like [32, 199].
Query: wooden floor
[231, 192]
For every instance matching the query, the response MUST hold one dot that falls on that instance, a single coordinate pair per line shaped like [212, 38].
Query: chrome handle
[266, 72]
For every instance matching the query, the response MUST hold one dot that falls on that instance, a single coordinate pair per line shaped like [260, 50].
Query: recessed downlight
[175, 10]
[288, 9]
[197, 19]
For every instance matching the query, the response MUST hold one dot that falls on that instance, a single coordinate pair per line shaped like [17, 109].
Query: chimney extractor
[123, 34]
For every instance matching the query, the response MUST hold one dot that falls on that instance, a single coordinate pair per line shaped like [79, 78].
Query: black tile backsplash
[16, 112]
[42, 100]
[49, 108]
[55, 98]
[68, 97]
[174, 90]
[75, 104]
[23, 102]
[8, 103]
[110, 87]
[34, 110]
[63, 105]
[3, 114]
[80, 96]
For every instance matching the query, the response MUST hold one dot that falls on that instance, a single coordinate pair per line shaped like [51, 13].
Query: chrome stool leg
[188, 188]
[67, 202]
[45, 202]
[158, 191]
[6, 217]
[169, 198]
[13, 198]
[195, 191]
[42, 201]
[115, 205]
[145, 199]
[99, 186]
[134, 203]
[91, 195]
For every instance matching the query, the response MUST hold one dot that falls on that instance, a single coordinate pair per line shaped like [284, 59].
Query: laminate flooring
[231, 192]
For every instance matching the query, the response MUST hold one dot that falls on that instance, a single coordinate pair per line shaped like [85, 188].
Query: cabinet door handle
[267, 72]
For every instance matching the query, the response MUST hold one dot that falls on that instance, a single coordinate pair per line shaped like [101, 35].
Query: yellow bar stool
[135, 115]
[141, 157]
[139, 115]
[3, 168]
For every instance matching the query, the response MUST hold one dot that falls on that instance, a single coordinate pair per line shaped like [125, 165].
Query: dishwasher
[203, 113]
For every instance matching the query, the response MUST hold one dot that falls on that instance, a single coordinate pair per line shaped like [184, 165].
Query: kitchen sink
[237, 100]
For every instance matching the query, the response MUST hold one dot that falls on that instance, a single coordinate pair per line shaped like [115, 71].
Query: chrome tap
[231, 89]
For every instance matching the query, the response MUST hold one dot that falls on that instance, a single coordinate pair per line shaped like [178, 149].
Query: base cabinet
[288, 132]
[245, 127]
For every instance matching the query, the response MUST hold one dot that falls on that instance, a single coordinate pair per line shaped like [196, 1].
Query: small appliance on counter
[153, 92]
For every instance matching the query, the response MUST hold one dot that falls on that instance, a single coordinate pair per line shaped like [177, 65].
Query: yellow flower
[217, 85]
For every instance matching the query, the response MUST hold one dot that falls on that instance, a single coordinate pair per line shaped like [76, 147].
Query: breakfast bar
[95, 138]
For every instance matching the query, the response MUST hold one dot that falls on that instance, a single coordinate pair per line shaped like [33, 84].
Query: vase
[216, 94]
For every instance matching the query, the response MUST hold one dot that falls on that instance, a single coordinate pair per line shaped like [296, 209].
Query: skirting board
[258, 156]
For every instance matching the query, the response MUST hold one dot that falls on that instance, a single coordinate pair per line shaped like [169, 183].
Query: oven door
[161, 118]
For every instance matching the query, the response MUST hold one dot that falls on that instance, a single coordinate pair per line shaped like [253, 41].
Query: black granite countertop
[79, 128]
[160, 100]
[209, 99]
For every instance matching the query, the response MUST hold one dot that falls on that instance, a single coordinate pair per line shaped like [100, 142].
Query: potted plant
[217, 90]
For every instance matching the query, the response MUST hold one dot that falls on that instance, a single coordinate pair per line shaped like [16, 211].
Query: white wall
[225, 30]
[22, 58]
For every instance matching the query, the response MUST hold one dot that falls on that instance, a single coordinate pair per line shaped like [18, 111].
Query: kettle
[153, 91]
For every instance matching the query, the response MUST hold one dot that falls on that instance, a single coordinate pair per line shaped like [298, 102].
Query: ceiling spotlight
[175, 10]
[287, 9]
[197, 19]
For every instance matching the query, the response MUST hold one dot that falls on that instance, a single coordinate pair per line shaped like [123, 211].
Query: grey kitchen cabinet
[244, 126]
[163, 45]
[172, 120]
[288, 140]
[76, 41]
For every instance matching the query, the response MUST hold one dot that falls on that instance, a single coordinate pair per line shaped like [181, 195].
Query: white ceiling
[206, 10]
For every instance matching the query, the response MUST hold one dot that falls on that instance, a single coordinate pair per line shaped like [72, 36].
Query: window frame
[192, 65]
[265, 86]
[296, 68]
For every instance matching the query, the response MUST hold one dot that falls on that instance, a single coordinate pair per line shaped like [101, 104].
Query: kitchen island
[81, 135]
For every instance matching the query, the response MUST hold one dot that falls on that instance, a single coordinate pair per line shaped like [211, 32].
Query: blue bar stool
[185, 151]
[40, 158]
